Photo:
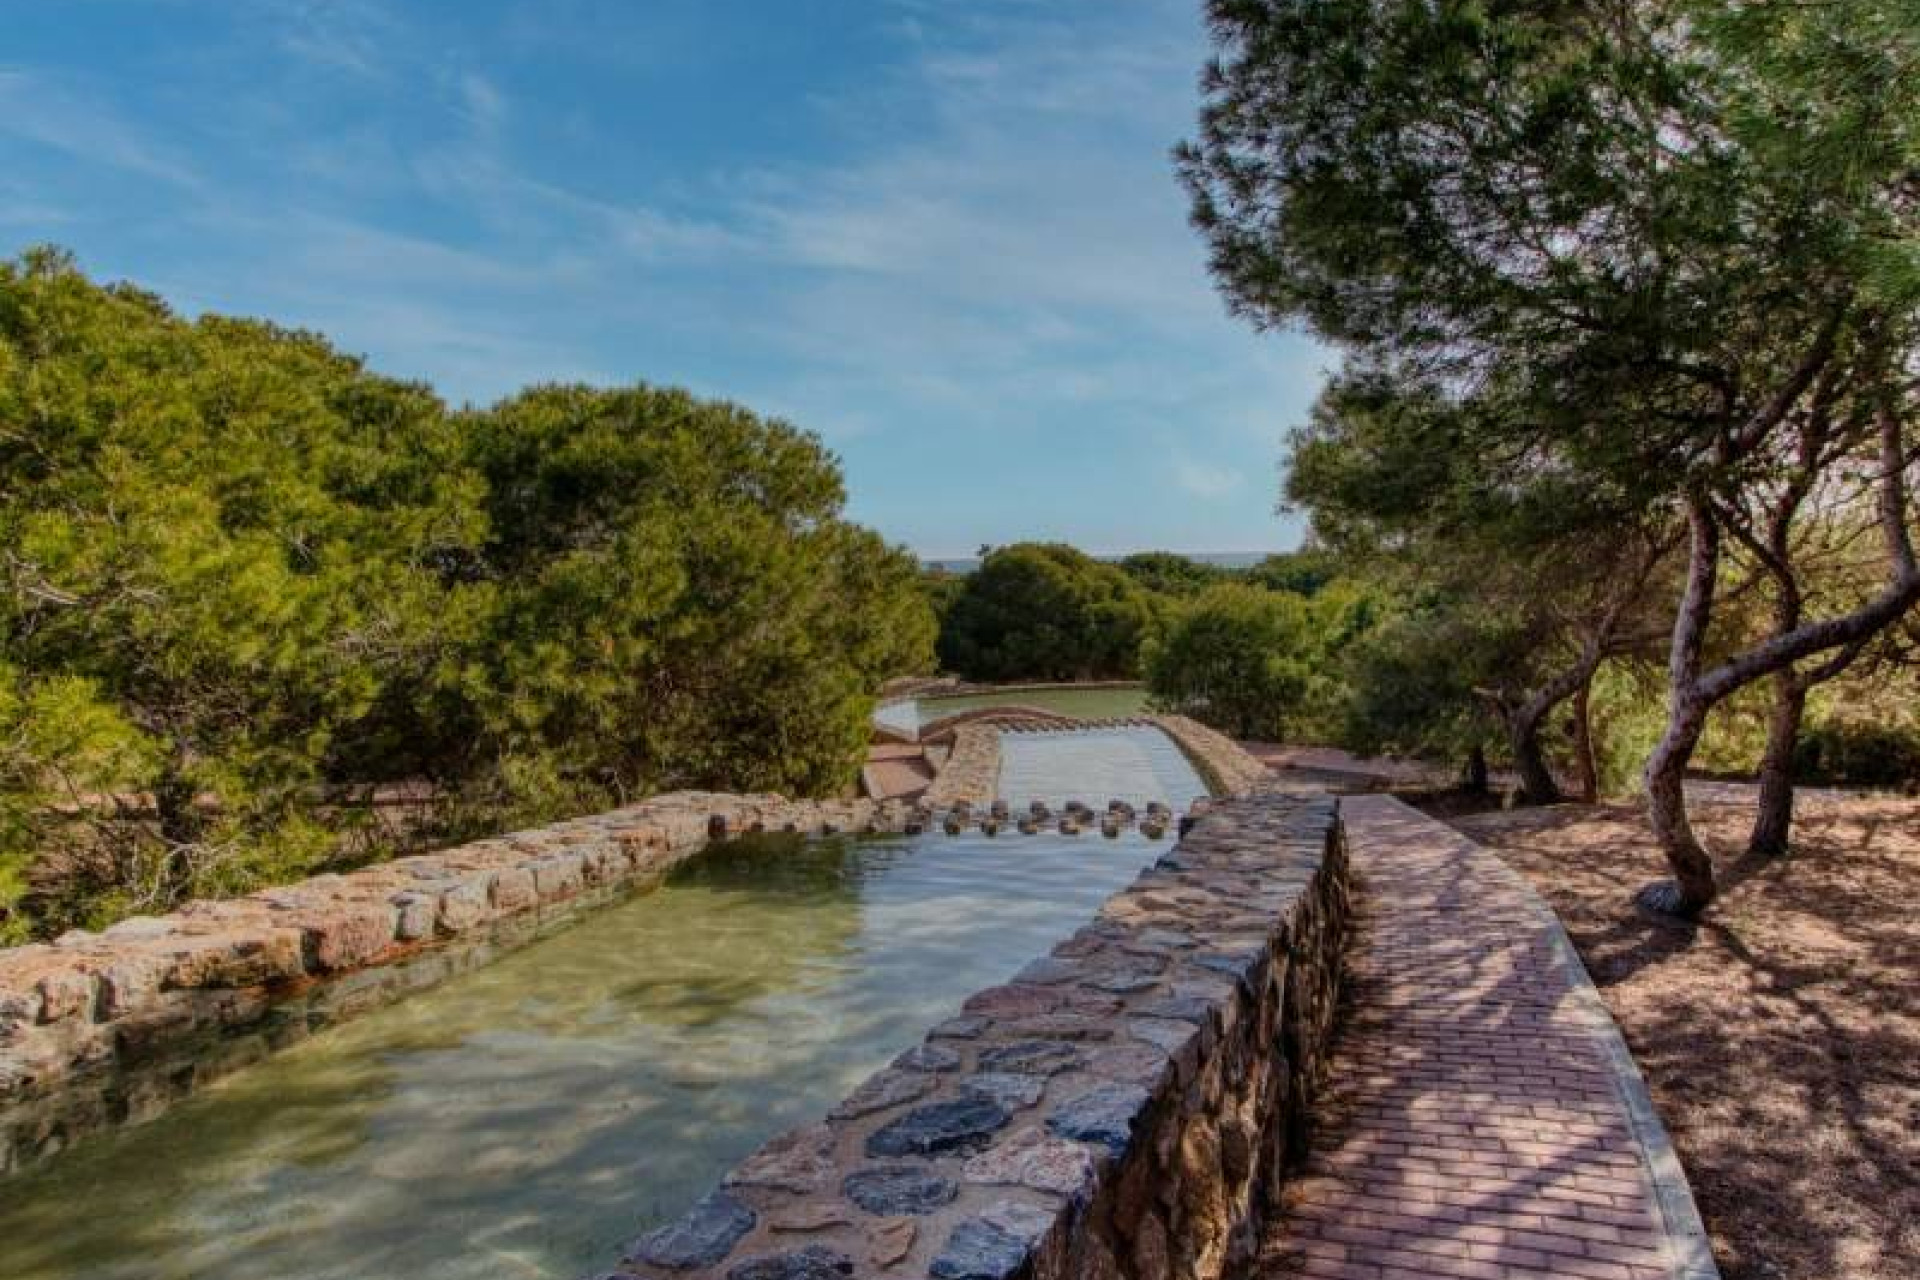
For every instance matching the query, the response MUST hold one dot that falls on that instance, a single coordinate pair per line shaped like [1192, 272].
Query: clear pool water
[1095, 766]
[527, 1118]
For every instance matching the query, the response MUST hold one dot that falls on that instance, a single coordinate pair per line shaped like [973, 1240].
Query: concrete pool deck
[1485, 1118]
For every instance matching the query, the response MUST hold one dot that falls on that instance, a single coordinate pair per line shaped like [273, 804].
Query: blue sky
[945, 235]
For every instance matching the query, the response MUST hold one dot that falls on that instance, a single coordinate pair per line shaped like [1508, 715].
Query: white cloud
[354, 36]
[484, 104]
[1202, 480]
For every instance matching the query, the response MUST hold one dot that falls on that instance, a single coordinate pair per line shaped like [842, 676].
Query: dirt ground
[1780, 1036]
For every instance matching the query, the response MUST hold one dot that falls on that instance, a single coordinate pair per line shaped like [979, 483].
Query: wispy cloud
[37, 109]
[353, 36]
[966, 257]
[1203, 480]
[484, 105]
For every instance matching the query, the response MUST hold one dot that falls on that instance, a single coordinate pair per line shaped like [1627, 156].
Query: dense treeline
[1548, 667]
[245, 582]
[1046, 612]
[1631, 319]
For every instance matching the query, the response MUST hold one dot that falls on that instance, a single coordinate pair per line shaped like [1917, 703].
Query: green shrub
[1858, 754]
[1239, 658]
[1256, 663]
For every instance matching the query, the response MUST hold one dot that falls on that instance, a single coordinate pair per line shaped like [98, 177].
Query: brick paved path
[1485, 1120]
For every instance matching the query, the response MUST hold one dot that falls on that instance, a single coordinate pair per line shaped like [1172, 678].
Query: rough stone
[979, 1250]
[891, 1190]
[965, 1027]
[798, 1161]
[958, 1125]
[1010, 1089]
[1179, 1009]
[235, 959]
[129, 981]
[1130, 1063]
[809, 1216]
[1105, 1114]
[1173, 1037]
[928, 1057]
[1048, 970]
[1165, 939]
[138, 928]
[815, 1262]
[1032, 1158]
[1061, 1026]
[1032, 1057]
[559, 876]
[892, 1241]
[706, 1234]
[881, 1090]
[65, 993]
[418, 913]
[1125, 982]
[1027, 1221]
[1012, 1001]
[463, 905]
[512, 890]
[346, 935]
[1241, 965]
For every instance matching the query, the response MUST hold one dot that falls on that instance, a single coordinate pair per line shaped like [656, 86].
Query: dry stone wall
[1124, 1109]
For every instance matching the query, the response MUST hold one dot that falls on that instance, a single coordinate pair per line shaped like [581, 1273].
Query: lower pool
[527, 1118]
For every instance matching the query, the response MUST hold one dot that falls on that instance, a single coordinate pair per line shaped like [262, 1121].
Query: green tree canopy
[1171, 574]
[679, 603]
[1252, 662]
[1678, 238]
[1045, 611]
[243, 578]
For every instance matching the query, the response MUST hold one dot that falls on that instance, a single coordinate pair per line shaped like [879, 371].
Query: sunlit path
[1484, 1119]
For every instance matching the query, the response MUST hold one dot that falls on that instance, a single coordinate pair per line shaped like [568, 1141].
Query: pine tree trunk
[1476, 779]
[1692, 887]
[1537, 783]
[1773, 820]
[1584, 762]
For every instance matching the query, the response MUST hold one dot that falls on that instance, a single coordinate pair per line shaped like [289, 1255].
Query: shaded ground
[1781, 1037]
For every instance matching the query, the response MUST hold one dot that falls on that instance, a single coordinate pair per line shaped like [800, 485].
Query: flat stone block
[960, 1125]
[702, 1237]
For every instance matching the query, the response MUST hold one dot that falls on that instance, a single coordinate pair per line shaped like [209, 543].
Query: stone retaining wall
[1124, 1109]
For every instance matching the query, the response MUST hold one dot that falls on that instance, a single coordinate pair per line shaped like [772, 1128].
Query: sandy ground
[1781, 1036]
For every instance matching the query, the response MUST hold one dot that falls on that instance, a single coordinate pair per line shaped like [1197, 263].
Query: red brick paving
[1475, 1128]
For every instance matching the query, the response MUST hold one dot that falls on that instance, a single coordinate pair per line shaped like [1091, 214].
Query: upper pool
[527, 1118]
[1085, 704]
